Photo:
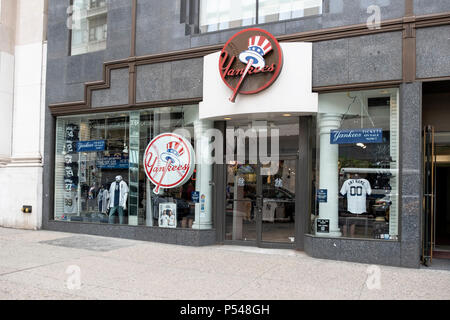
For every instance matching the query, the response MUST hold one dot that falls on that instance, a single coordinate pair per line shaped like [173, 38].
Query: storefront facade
[150, 134]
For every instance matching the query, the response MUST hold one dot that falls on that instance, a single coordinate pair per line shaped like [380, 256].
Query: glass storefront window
[93, 151]
[89, 26]
[356, 178]
[278, 10]
[225, 14]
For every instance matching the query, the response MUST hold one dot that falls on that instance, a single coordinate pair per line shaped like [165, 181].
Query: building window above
[89, 26]
[225, 14]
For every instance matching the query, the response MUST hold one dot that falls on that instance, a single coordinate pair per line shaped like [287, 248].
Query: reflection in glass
[89, 26]
[224, 14]
[277, 10]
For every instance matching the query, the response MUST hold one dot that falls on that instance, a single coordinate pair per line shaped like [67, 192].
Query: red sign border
[164, 186]
[276, 73]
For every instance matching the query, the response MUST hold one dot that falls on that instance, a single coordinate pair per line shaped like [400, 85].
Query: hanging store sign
[169, 161]
[121, 162]
[365, 136]
[250, 62]
[90, 146]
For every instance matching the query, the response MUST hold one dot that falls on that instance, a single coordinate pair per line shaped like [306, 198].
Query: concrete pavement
[53, 265]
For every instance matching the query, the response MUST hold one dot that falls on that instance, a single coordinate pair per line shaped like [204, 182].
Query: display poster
[167, 215]
[202, 204]
[323, 226]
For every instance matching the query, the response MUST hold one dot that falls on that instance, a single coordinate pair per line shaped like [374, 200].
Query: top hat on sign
[174, 151]
[258, 47]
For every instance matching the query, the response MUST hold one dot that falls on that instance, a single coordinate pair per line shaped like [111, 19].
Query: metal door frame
[429, 196]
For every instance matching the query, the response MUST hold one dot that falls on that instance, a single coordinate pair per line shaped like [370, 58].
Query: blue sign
[195, 196]
[356, 136]
[322, 195]
[113, 163]
[90, 146]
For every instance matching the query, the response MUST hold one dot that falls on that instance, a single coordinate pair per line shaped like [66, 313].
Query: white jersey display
[356, 191]
[70, 202]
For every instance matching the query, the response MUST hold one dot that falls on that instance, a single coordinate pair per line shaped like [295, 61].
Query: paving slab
[53, 265]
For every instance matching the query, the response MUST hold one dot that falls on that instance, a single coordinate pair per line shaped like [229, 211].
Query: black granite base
[186, 237]
[357, 250]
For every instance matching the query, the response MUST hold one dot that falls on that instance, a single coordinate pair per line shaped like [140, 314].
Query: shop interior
[358, 197]
[92, 151]
[435, 115]
[260, 207]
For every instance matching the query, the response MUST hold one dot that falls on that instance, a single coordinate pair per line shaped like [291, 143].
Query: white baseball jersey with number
[70, 202]
[356, 191]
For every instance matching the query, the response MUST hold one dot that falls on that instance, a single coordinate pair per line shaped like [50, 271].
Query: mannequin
[102, 198]
[118, 196]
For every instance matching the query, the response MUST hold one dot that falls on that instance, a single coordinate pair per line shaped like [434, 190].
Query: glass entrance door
[241, 202]
[260, 198]
[278, 204]
[261, 208]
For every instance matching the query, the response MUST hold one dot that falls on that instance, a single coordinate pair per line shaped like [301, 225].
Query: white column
[6, 103]
[203, 211]
[329, 175]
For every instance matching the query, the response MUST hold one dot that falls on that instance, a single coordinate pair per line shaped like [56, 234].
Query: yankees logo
[252, 52]
[169, 161]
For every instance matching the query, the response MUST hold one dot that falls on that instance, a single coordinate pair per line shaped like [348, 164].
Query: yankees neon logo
[169, 161]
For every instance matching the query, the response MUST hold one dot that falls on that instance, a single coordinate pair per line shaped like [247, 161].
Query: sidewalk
[46, 265]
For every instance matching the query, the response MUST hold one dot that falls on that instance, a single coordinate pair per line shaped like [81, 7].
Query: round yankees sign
[250, 61]
[169, 161]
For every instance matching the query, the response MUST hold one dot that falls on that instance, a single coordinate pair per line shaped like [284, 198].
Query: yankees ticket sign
[356, 136]
[169, 161]
[250, 62]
